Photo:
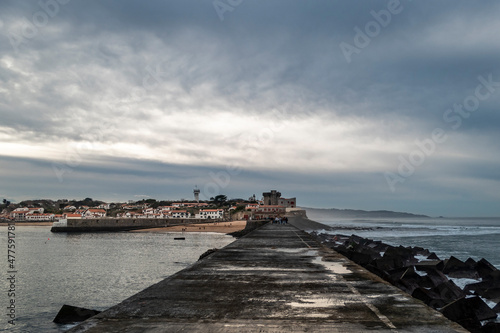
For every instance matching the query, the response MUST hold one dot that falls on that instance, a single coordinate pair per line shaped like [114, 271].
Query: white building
[149, 211]
[135, 215]
[104, 206]
[180, 214]
[94, 213]
[211, 213]
[288, 203]
[39, 217]
[19, 213]
[22, 213]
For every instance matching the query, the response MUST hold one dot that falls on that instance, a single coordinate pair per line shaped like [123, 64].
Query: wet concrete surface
[275, 279]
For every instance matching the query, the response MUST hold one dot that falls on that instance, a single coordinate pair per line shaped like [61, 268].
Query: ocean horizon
[462, 237]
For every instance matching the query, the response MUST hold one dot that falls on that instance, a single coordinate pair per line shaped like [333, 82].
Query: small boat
[179, 238]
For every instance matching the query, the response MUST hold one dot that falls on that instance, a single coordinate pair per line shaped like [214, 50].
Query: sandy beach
[222, 227]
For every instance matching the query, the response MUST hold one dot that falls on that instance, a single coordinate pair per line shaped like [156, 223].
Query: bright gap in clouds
[273, 140]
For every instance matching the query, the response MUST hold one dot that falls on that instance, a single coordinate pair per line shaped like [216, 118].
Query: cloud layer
[116, 95]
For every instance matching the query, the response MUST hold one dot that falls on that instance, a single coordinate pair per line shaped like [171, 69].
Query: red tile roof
[96, 210]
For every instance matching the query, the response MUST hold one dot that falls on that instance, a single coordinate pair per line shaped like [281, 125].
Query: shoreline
[219, 227]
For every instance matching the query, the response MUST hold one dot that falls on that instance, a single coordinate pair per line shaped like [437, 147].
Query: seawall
[121, 224]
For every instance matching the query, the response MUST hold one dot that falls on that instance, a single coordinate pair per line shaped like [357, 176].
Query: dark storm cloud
[264, 46]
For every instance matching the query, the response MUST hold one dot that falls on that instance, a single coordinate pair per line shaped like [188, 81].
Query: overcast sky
[347, 104]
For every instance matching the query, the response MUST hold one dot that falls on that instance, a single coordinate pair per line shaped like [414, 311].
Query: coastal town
[218, 208]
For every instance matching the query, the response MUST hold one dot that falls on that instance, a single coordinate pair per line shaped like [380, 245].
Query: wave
[462, 238]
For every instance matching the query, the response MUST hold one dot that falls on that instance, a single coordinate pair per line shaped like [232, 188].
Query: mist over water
[461, 237]
[92, 270]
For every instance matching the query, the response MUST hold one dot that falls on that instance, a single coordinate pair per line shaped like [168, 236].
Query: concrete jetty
[110, 224]
[275, 279]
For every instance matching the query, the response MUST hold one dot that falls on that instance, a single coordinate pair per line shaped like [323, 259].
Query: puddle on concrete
[285, 250]
[305, 252]
[317, 315]
[311, 253]
[397, 297]
[255, 268]
[317, 302]
[333, 266]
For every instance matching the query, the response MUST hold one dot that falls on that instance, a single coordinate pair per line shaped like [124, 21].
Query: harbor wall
[121, 224]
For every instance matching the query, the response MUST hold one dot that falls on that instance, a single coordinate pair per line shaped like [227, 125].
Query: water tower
[196, 192]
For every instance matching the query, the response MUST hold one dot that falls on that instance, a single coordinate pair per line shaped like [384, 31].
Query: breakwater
[275, 279]
[119, 224]
[460, 290]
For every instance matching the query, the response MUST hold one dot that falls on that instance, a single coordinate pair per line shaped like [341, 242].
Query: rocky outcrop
[469, 312]
[429, 280]
[456, 268]
[73, 314]
[207, 253]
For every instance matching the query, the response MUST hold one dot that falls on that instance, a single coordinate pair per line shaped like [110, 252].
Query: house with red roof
[22, 213]
[269, 211]
[92, 213]
[72, 216]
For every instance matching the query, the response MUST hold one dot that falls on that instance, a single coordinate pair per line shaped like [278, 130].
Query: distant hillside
[355, 213]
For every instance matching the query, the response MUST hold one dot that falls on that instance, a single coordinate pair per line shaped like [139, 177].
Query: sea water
[460, 237]
[91, 270]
